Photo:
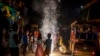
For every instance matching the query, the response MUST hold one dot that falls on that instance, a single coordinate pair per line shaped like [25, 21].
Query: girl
[39, 50]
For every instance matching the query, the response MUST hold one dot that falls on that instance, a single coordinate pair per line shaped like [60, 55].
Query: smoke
[38, 5]
[48, 8]
[49, 22]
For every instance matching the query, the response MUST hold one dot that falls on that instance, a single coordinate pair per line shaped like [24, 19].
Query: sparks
[49, 22]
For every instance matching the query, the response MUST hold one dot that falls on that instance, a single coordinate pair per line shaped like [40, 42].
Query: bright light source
[76, 51]
[62, 49]
[49, 22]
[93, 53]
[81, 7]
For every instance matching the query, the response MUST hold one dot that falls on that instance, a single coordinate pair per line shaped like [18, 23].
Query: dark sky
[73, 3]
[95, 11]
[70, 5]
[70, 9]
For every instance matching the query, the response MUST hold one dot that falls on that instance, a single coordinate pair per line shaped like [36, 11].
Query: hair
[39, 36]
[49, 35]
[15, 27]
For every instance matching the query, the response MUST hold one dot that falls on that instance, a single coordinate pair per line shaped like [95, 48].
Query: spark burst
[49, 23]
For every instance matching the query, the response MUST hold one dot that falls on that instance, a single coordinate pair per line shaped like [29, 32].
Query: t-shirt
[24, 39]
[11, 39]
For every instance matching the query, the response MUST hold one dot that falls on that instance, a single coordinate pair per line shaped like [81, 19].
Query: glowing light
[93, 53]
[62, 47]
[81, 6]
[76, 51]
[49, 23]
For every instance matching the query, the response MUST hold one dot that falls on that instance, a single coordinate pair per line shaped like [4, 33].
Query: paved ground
[54, 54]
[29, 53]
[32, 54]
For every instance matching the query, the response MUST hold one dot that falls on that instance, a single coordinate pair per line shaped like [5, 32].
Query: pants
[47, 52]
[24, 49]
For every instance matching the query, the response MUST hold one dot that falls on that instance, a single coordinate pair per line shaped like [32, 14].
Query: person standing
[39, 49]
[4, 23]
[4, 42]
[24, 42]
[14, 40]
[48, 45]
[36, 33]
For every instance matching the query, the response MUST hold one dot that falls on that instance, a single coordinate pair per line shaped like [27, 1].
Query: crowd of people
[18, 40]
[15, 40]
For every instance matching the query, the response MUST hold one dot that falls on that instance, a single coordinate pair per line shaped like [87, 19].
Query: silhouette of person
[14, 40]
[48, 45]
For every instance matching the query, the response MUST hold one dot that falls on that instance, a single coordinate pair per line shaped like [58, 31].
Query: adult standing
[4, 23]
[4, 42]
[14, 40]
[25, 42]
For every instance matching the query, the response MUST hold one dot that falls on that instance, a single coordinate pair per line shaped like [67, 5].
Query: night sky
[69, 10]
[95, 11]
